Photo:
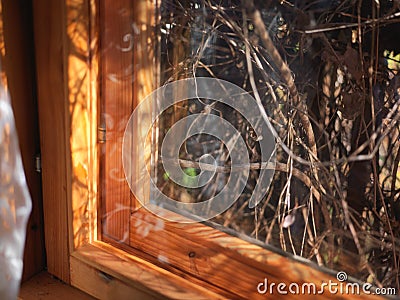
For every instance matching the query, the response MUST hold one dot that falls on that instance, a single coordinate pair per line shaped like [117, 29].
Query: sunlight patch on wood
[83, 120]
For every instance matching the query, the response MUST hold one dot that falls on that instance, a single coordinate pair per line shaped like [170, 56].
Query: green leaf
[190, 172]
[166, 176]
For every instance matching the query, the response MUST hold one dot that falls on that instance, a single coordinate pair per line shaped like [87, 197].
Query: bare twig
[283, 69]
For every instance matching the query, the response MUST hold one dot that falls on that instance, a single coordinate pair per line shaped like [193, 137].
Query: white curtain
[15, 202]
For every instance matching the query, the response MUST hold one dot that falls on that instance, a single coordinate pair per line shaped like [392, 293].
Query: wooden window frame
[203, 262]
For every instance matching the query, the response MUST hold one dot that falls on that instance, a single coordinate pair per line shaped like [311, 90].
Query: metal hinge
[101, 134]
[38, 163]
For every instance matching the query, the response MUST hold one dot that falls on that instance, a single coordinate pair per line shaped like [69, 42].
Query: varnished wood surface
[142, 276]
[222, 260]
[49, 35]
[103, 286]
[81, 127]
[117, 73]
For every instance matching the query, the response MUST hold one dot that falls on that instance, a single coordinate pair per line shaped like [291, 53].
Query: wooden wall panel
[49, 32]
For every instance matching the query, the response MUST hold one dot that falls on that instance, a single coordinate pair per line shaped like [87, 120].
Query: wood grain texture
[128, 75]
[82, 45]
[101, 285]
[146, 72]
[94, 121]
[49, 21]
[67, 91]
[221, 260]
[139, 274]
[117, 73]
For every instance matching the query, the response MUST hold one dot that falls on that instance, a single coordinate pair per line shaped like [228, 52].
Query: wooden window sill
[187, 261]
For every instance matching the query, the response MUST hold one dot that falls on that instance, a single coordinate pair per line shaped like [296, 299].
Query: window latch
[38, 163]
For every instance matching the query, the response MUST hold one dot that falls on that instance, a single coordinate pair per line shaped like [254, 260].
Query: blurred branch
[281, 167]
[283, 69]
[352, 25]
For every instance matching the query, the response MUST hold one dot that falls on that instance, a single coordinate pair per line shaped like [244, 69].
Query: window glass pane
[325, 74]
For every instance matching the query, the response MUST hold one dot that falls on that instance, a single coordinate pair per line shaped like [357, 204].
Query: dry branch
[284, 71]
